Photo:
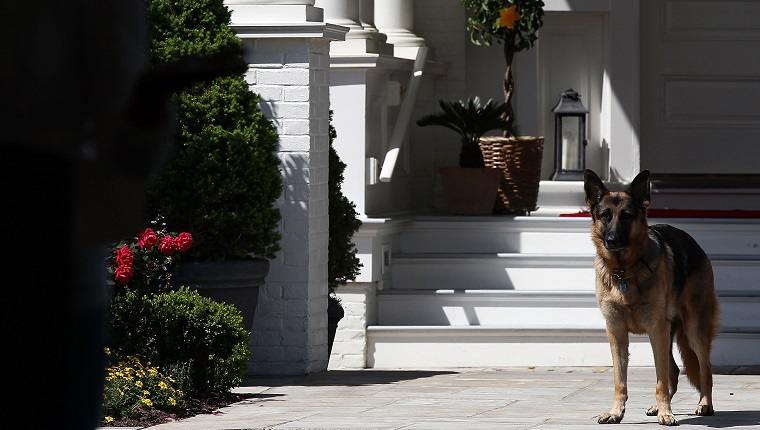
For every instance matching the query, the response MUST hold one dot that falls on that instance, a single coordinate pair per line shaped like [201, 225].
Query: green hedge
[199, 339]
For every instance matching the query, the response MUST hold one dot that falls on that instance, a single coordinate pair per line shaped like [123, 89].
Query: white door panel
[700, 86]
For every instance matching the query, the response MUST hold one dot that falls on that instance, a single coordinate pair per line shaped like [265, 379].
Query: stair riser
[477, 241]
[554, 274]
[484, 313]
[568, 235]
[499, 311]
[421, 349]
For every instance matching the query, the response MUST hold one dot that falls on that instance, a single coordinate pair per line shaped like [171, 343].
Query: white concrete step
[519, 291]
[426, 347]
[554, 235]
[505, 308]
[510, 271]
[525, 272]
[497, 234]
[528, 309]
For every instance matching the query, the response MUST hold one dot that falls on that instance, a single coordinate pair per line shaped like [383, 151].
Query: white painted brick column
[359, 300]
[289, 66]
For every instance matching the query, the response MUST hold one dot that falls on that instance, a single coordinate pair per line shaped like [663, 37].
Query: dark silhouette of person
[79, 142]
[85, 126]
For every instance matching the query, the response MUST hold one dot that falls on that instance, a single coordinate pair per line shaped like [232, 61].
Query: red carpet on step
[688, 213]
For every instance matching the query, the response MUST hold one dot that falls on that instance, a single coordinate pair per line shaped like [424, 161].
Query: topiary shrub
[342, 263]
[223, 181]
[200, 339]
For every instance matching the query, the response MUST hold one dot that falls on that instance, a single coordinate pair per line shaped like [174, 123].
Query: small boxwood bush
[182, 330]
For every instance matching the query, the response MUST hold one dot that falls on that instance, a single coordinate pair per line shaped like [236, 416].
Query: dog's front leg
[618, 338]
[660, 339]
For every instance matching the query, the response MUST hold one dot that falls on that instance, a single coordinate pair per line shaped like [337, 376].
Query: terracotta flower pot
[470, 191]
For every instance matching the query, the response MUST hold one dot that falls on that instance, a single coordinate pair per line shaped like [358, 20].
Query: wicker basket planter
[521, 160]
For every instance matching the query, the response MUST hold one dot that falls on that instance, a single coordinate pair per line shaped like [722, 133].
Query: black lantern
[569, 137]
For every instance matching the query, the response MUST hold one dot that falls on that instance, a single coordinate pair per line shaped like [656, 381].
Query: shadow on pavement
[728, 419]
[344, 378]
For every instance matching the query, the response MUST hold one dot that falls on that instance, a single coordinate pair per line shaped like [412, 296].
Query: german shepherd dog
[655, 280]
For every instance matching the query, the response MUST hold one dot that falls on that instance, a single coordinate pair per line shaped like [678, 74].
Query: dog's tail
[695, 341]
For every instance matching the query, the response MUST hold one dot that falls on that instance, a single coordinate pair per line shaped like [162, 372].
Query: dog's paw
[667, 420]
[705, 410]
[608, 418]
[652, 411]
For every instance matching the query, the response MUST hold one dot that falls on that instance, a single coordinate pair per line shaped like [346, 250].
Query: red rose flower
[183, 241]
[147, 239]
[124, 256]
[167, 245]
[123, 274]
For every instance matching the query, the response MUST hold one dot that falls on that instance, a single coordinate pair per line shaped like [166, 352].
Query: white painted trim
[304, 30]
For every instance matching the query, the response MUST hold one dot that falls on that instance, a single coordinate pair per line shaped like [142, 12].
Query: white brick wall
[349, 349]
[290, 327]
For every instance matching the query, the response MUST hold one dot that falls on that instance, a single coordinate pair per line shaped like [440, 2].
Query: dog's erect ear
[639, 189]
[594, 188]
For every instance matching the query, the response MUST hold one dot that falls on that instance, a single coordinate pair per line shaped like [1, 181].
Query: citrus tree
[512, 23]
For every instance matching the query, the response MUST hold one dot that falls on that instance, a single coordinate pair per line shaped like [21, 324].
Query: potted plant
[471, 188]
[223, 180]
[515, 25]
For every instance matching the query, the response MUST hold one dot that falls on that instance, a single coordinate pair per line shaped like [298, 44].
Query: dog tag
[623, 286]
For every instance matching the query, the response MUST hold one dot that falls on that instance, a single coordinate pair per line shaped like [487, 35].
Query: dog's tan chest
[629, 307]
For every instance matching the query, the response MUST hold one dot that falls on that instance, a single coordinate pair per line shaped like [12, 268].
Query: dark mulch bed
[195, 406]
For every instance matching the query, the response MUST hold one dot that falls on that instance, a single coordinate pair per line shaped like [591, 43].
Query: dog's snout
[612, 241]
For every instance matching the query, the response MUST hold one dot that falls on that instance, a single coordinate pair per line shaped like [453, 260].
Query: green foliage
[182, 330]
[342, 263]
[513, 23]
[186, 27]
[132, 388]
[471, 119]
[483, 23]
[224, 179]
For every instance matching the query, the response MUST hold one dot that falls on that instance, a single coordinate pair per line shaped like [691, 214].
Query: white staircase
[519, 291]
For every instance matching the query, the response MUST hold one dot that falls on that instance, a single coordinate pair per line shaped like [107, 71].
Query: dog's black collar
[618, 275]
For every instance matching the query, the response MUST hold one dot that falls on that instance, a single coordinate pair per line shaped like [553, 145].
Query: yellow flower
[108, 419]
[147, 402]
[162, 385]
[509, 17]
[172, 401]
[139, 384]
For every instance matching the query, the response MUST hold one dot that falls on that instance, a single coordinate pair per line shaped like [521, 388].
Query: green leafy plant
[223, 180]
[342, 263]
[182, 330]
[132, 389]
[514, 24]
[471, 119]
